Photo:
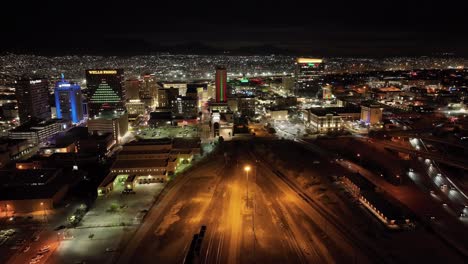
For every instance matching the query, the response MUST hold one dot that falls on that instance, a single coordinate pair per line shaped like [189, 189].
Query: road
[446, 226]
[274, 225]
[449, 160]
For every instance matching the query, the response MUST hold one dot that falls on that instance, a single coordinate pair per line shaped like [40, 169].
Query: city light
[258, 139]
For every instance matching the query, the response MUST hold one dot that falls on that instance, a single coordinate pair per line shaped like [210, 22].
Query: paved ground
[104, 229]
[273, 226]
[168, 132]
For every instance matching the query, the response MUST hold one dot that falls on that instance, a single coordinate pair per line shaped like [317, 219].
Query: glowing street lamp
[247, 169]
[44, 211]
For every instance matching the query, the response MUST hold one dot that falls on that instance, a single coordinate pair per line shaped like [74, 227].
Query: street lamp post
[247, 169]
[44, 212]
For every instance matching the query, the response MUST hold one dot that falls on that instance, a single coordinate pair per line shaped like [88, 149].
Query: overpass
[419, 133]
[448, 160]
[438, 140]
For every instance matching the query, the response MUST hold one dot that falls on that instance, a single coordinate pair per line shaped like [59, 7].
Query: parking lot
[107, 226]
[168, 132]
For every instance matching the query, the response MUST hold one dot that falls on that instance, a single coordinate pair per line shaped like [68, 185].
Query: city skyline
[233, 132]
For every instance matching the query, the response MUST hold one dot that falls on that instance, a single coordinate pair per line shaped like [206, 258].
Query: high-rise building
[106, 91]
[149, 90]
[184, 106]
[308, 73]
[33, 99]
[221, 84]
[166, 96]
[180, 85]
[135, 107]
[132, 89]
[68, 101]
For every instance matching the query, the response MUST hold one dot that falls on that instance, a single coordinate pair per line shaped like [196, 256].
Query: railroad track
[351, 236]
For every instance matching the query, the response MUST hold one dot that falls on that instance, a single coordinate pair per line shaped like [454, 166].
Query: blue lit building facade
[68, 101]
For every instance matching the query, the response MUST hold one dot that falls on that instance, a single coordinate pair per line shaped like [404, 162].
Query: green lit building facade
[105, 91]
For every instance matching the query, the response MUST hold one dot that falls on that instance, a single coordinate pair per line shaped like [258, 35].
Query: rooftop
[35, 125]
[390, 210]
[181, 143]
[152, 141]
[28, 184]
[334, 110]
[26, 177]
[360, 181]
[149, 163]
[109, 115]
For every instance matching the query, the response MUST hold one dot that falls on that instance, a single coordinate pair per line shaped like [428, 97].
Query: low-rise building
[278, 115]
[151, 160]
[24, 191]
[12, 149]
[97, 144]
[160, 118]
[371, 113]
[36, 132]
[365, 192]
[324, 122]
[58, 148]
[109, 122]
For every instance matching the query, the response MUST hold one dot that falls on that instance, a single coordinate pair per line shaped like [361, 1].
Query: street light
[6, 211]
[247, 169]
[44, 211]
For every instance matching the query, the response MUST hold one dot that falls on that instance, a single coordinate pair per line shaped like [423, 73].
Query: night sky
[320, 28]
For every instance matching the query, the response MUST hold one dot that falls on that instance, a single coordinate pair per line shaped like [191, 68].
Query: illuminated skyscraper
[221, 84]
[149, 90]
[33, 99]
[106, 91]
[132, 89]
[68, 101]
[308, 73]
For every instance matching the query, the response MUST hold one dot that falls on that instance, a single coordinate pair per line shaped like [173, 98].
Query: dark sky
[321, 28]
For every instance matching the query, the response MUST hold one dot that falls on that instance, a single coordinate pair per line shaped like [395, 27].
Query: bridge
[420, 133]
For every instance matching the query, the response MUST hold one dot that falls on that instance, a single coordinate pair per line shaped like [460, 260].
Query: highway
[274, 225]
[445, 225]
[452, 161]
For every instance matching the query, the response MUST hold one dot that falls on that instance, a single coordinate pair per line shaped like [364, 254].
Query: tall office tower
[221, 84]
[106, 91]
[132, 89]
[308, 76]
[68, 101]
[149, 90]
[166, 96]
[33, 99]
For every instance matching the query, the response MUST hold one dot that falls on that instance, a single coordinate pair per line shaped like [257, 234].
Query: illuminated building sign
[35, 81]
[102, 72]
[64, 85]
[309, 60]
